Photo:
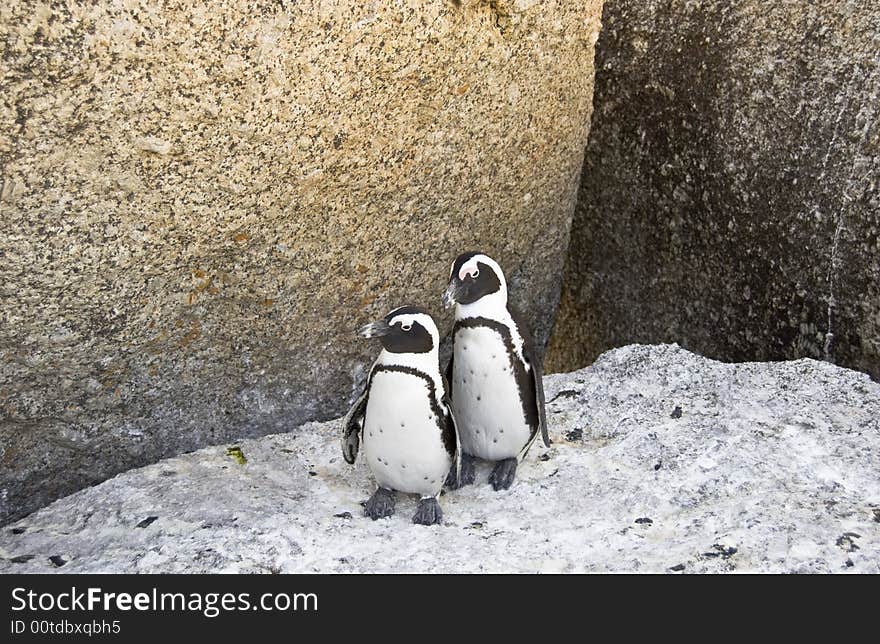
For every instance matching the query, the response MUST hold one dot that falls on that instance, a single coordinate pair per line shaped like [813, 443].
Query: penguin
[404, 417]
[495, 376]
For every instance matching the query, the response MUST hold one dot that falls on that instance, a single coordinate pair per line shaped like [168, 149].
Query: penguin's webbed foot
[466, 476]
[502, 476]
[428, 512]
[380, 505]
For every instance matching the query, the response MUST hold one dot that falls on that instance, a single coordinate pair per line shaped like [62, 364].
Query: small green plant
[236, 453]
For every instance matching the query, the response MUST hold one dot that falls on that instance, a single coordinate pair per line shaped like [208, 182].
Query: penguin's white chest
[403, 443]
[485, 397]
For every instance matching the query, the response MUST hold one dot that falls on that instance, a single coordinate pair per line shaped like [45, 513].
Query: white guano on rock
[662, 461]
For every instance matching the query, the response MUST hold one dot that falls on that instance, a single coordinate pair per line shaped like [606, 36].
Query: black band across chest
[439, 415]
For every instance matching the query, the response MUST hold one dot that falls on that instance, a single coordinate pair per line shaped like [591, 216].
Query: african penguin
[495, 377]
[404, 417]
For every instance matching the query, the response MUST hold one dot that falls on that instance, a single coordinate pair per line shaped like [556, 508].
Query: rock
[153, 144]
[200, 204]
[57, 560]
[146, 522]
[794, 488]
[729, 198]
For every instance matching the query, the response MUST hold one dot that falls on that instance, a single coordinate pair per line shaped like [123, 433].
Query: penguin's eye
[406, 327]
[475, 274]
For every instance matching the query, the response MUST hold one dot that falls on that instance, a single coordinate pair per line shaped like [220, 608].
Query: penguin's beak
[375, 329]
[450, 295]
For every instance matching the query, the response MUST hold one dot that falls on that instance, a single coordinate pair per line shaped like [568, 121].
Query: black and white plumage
[495, 376]
[404, 417]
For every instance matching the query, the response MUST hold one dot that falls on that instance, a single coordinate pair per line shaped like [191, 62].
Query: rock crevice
[729, 199]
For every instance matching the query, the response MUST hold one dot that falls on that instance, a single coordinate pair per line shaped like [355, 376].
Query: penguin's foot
[466, 475]
[428, 512]
[380, 505]
[502, 476]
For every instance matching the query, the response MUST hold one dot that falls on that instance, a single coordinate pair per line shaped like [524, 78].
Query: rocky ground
[661, 461]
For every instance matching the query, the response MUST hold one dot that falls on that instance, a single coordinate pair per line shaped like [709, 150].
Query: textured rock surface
[201, 201]
[662, 460]
[730, 198]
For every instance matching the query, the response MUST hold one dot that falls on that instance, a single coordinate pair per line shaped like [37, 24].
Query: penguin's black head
[407, 329]
[473, 276]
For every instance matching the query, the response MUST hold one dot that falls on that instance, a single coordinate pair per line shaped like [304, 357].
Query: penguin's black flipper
[535, 381]
[538, 384]
[450, 429]
[352, 426]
